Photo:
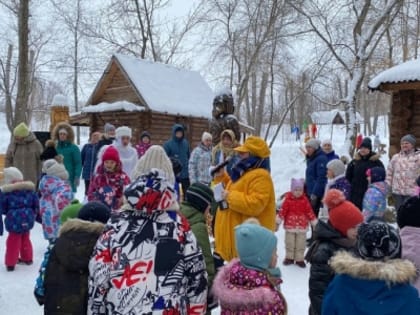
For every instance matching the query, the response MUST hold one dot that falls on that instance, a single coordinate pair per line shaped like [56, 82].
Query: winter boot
[288, 261]
[10, 268]
[301, 264]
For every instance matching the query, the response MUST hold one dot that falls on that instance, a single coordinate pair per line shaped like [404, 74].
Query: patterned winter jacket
[56, 194]
[147, 260]
[341, 183]
[296, 213]
[402, 172]
[141, 148]
[247, 292]
[199, 165]
[374, 201]
[20, 205]
[107, 187]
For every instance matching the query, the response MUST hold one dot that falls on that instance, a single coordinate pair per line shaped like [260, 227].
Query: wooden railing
[2, 160]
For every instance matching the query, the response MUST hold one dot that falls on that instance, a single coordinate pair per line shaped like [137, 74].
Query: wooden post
[58, 114]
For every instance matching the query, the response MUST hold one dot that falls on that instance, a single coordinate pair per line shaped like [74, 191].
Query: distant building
[403, 83]
[150, 96]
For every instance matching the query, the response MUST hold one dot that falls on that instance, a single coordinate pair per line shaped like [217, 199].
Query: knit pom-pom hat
[333, 198]
[343, 215]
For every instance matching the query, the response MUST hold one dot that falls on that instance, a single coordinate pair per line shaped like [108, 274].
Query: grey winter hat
[337, 166]
[313, 143]
[410, 139]
[53, 168]
[109, 127]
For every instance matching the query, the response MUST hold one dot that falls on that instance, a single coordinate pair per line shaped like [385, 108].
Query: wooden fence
[2, 160]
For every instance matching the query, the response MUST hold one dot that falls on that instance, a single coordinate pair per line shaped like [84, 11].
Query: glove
[314, 201]
[314, 223]
[76, 181]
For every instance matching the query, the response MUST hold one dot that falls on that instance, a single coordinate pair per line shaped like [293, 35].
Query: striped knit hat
[200, 196]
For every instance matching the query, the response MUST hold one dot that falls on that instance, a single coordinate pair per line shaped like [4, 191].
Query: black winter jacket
[356, 175]
[66, 275]
[327, 241]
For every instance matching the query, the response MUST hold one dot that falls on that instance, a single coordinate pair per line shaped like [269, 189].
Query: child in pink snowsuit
[109, 180]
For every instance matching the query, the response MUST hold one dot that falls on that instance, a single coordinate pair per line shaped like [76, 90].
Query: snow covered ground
[16, 288]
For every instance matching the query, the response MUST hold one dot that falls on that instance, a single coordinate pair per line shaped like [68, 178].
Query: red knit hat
[112, 154]
[343, 215]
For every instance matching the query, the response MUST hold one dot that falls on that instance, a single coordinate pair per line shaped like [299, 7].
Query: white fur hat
[206, 136]
[53, 168]
[326, 141]
[12, 174]
[155, 157]
[123, 131]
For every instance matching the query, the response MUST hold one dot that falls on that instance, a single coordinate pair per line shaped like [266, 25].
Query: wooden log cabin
[148, 96]
[402, 83]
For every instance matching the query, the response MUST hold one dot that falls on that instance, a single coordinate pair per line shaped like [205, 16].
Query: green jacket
[197, 221]
[70, 152]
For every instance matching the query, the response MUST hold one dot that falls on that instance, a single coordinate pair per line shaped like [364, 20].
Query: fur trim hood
[234, 296]
[66, 126]
[394, 271]
[77, 225]
[373, 156]
[25, 185]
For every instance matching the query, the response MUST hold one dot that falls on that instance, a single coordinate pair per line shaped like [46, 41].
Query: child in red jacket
[108, 183]
[296, 213]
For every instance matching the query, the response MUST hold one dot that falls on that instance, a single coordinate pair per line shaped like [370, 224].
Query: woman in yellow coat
[249, 192]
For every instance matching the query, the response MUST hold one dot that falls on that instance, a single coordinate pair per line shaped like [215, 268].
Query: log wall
[159, 125]
[404, 118]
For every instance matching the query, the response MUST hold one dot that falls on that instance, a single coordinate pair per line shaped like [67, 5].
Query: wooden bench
[2, 161]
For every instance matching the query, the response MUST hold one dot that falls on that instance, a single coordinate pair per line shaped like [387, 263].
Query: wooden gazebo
[402, 82]
[150, 96]
[333, 117]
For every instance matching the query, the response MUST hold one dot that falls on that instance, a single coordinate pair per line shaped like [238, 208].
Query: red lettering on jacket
[132, 275]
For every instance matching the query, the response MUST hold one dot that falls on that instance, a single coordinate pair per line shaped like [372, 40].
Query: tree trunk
[23, 81]
[260, 107]
[76, 67]
[7, 90]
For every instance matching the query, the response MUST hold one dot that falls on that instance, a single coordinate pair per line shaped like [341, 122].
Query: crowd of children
[359, 264]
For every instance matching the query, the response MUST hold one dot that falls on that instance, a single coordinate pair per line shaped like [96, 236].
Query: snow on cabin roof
[110, 107]
[329, 117]
[406, 72]
[168, 89]
[60, 99]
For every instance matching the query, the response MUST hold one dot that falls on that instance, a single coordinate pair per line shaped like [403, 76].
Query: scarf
[247, 164]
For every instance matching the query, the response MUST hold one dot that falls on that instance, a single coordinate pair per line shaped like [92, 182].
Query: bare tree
[134, 27]
[247, 37]
[369, 22]
[17, 109]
